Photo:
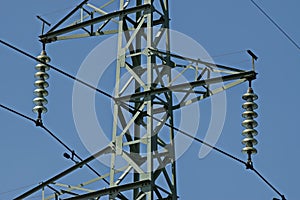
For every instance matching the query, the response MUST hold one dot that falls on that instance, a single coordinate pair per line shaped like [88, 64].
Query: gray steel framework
[142, 143]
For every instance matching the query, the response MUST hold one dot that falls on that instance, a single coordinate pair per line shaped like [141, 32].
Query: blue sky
[29, 155]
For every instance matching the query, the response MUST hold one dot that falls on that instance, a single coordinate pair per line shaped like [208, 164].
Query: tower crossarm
[192, 60]
[187, 86]
[52, 180]
[57, 33]
[140, 184]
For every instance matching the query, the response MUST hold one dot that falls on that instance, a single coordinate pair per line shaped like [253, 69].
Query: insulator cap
[40, 92]
[249, 114]
[40, 101]
[250, 106]
[249, 123]
[250, 95]
[41, 84]
[249, 131]
[250, 150]
[41, 75]
[43, 57]
[36, 109]
[42, 67]
[249, 141]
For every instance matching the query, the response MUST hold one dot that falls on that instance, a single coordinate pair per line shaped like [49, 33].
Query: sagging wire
[53, 136]
[276, 24]
[132, 107]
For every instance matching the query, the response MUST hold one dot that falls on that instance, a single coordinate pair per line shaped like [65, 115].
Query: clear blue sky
[29, 156]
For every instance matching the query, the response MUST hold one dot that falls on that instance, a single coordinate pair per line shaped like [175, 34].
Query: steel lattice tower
[142, 141]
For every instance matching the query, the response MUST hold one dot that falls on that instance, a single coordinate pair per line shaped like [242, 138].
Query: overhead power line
[268, 183]
[183, 132]
[16, 189]
[72, 151]
[137, 110]
[277, 25]
[114, 99]
[52, 135]
[228, 53]
[18, 113]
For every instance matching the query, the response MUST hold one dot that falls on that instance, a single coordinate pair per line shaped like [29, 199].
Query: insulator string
[127, 105]
[249, 123]
[41, 84]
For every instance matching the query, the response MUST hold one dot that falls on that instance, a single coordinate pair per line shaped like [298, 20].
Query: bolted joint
[251, 77]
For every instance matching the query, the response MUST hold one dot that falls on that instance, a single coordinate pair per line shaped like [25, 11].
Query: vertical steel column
[170, 100]
[137, 86]
[151, 142]
[147, 159]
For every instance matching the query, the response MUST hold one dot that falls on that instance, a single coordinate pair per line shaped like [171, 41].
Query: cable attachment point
[41, 85]
[39, 121]
[249, 164]
[249, 123]
[71, 157]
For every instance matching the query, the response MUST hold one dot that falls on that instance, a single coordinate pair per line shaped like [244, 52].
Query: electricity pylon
[140, 141]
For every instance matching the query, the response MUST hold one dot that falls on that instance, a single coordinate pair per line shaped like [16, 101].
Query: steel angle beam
[64, 173]
[158, 52]
[136, 96]
[113, 190]
[51, 36]
[67, 16]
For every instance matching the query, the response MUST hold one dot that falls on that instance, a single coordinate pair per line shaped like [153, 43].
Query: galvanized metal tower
[142, 141]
